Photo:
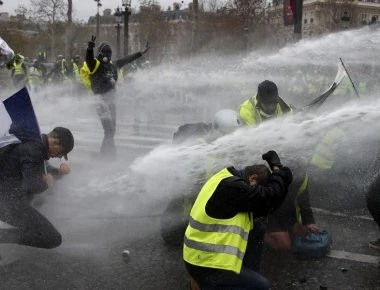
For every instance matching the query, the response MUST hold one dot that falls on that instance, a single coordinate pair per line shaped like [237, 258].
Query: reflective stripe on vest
[76, 73]
[301, 190]
[216, 243]
[324, 156]
[18, 69]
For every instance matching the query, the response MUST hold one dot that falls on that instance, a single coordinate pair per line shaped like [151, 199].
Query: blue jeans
[228, 280]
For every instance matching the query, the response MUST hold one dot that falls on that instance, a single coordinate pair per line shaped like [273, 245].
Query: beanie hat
[104, 49]
[267, 92]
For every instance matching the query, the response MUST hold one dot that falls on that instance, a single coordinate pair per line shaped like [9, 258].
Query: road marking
[354, 257]
[337, 213]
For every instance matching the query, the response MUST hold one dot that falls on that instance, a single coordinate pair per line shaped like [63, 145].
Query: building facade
[324, 16]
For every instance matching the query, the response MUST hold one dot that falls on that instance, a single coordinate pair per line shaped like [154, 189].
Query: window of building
[305, 21]
[311, 20]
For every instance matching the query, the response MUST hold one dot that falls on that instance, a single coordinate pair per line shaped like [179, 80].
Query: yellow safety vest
[76, 73]
[251, 115]
[324, 155]
[301, 190]
[216, 243]
[18, 69]
[85, 74]
[35, 76]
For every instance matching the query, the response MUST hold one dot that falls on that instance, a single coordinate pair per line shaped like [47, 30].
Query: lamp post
[127, 12]
[118, 18]
[98, 18]
[246, 31]
[345, 20]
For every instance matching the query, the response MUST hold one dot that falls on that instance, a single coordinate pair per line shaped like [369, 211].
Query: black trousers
[373, 200]
[31, 228]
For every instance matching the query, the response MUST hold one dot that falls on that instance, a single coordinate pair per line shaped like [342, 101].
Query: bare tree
[50, 12]
[211, 5]
[153, 27]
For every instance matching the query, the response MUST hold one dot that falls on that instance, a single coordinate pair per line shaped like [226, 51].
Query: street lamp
[118, 18]
[98, 18]
[345, 20]
[246, 31]
[127, 12]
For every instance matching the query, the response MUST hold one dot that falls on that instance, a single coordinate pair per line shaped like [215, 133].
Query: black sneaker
[375, 244]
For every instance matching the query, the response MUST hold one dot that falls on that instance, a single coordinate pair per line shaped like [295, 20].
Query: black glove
[272, 158]
[91, 43]
[147, 47]
[9, 65]
[286, 174]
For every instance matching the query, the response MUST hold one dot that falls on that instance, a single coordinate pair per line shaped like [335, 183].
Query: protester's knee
[46, 240]
[373, 203]
[54, 241]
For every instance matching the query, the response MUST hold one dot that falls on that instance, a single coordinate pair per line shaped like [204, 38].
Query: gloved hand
[286, 174]
[272, 158]
[9, 65]
[91, 43]
[147, 47]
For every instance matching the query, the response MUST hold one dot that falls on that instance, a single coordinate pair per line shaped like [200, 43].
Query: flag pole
[352, 83]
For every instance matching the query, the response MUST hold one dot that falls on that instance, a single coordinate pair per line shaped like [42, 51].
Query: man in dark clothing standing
[218, 242]
[103, 77]
[22, 175]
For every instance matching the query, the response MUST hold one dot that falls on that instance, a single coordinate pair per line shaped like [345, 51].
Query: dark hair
[261, 170]
[65, 137]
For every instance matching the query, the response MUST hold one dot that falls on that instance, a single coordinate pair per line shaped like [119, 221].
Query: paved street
[90, 258]
[95, 237]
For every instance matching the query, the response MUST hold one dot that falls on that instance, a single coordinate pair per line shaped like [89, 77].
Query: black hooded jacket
[105, 78]
[22, 166]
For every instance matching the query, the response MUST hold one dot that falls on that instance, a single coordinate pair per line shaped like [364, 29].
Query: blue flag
[17, 111]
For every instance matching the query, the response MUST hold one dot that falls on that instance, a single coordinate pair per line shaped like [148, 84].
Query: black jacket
[22, 166]
[234, 195]
[105, 77]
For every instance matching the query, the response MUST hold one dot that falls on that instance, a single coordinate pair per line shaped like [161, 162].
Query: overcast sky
[83, 9]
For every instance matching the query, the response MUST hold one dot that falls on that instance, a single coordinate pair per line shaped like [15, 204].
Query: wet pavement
[91, 254]
[87, 260]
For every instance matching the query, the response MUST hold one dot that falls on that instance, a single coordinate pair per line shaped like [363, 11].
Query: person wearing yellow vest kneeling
[219, 241]
[265, 105]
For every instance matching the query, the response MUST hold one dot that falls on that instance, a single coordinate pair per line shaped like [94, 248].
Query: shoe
[375, 244]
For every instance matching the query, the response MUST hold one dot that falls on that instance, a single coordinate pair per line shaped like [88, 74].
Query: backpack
[191, 131]
[312, 245]
[85, 74]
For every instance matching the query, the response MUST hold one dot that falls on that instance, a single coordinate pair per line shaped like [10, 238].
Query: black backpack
[191, 131]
